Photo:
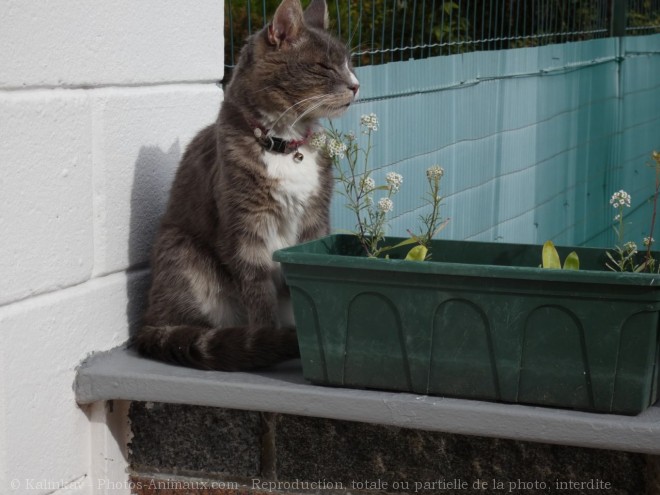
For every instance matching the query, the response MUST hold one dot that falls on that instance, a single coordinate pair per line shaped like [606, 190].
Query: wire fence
[643, 17]
[382, 31]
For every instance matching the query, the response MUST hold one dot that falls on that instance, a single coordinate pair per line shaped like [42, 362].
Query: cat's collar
[280, 145]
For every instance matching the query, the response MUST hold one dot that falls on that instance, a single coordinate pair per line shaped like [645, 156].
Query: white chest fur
[297, 182]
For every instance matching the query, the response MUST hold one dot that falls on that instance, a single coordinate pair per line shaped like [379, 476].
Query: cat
[246, 186]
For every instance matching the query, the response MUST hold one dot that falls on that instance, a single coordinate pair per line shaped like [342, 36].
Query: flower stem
[655, 209]
[435, 189]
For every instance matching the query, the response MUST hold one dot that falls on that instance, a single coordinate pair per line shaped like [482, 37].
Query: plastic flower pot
[480, 321]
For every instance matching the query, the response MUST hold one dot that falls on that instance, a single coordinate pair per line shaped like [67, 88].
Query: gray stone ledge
[122, 374]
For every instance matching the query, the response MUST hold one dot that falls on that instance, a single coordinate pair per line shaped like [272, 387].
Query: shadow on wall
[153, 174]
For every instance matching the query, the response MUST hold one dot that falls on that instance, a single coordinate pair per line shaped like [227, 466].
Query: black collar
[278, 145]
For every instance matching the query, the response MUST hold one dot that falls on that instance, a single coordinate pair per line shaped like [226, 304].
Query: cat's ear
[316, 14]
[287, 23]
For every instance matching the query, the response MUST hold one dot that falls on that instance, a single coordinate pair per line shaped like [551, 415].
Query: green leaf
[405, 243]
[440, 227]
[418, 253]
[343, 231]
[449, 6]
[640, 268]
[550, 256]
[402, 243]
[572, 262]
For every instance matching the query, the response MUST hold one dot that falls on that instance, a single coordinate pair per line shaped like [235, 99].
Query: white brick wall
[45, 189]
[58, 43]
[98, 101]
[141, 135]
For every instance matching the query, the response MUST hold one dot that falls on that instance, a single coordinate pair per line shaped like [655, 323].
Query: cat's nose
[355, 87]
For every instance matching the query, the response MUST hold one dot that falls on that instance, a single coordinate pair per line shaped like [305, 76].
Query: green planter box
[481, 321]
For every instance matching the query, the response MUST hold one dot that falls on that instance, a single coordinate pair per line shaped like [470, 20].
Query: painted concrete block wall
[98, 101]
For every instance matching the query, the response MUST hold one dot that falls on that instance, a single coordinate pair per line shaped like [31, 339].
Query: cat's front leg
[315, 222]
[260, 302]
[257, 291]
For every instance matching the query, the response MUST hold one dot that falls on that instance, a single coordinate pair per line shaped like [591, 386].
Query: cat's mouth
[337, 110]
[329, 106]
[339, 107]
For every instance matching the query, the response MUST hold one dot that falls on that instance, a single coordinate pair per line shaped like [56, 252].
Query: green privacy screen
[534, 141]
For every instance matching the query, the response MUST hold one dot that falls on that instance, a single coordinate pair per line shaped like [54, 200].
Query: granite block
[173, 438]
[653, 475]
[274, 453]
[396, 460]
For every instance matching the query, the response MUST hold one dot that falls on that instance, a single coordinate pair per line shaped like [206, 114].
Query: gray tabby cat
[248, 185]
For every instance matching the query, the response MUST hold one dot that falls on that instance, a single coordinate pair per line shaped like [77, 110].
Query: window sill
[122, 374]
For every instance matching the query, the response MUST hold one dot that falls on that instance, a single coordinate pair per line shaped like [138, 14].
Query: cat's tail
[226, 349]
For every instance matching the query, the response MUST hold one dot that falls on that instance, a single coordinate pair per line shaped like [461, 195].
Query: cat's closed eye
[326, 68]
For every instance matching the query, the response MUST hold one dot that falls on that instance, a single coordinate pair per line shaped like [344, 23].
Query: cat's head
[293, 71]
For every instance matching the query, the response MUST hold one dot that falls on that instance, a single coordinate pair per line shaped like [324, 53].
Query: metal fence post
[618, 19]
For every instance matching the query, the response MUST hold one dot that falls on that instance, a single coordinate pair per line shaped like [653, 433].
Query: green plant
[551, 260]
[625, 255]
[352, 162]
[648, 241]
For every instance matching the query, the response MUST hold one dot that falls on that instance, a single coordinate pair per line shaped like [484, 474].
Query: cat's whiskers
[306, 112]
[301, 102]
[359, 49]
[350, 38]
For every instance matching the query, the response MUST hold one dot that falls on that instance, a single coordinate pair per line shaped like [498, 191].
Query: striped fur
[215, 294]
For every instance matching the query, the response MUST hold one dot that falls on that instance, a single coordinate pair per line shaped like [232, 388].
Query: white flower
[435, 172]
[617, 218]
[630, 247]
[394, 180]
[367, 184]
[318, 140]
[620, 198]
[336, 148]
[648, 241]
[385, 205]
[370, 122]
